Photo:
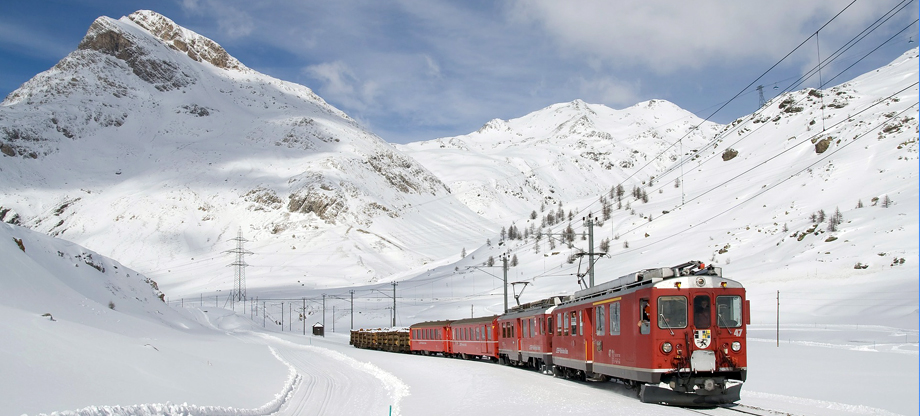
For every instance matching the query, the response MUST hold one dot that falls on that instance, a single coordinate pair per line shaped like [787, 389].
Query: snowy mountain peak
[145, 110]
[197, 47]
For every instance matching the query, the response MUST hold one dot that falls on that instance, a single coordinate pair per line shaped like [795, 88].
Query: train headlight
[736, 346]
[666, 348]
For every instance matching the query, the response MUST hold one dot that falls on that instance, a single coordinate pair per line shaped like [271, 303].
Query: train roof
[690, 272]
[431, 324]
[537, 307]
[473, 321]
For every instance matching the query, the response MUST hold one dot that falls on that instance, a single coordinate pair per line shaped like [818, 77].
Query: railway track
[739, 409]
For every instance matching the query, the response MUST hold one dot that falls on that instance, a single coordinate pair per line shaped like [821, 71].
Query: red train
[677, 333]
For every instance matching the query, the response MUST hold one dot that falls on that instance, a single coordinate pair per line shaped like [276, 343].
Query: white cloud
[231, 21]
[667, 36]
[607, 90]
[340, 84]
[32, 42]
[434, 70]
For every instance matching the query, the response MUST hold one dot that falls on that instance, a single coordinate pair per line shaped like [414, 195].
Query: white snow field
[119, 181]
[142, 357]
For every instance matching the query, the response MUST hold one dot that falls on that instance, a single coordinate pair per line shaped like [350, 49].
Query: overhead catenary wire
[899, 8]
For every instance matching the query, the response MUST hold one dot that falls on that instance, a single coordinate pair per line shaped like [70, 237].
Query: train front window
[672, 312]
[702, 314]
[728, 311]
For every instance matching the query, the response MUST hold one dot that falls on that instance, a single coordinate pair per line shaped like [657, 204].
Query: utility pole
[282, 316]
[333, 318]
[590, 223]
[505, 278]
[324, 312]
[352, 293]
[777, 318]
[303, 315]
[394, 304]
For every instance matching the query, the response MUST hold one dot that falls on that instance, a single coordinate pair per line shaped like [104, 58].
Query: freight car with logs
[677, 334]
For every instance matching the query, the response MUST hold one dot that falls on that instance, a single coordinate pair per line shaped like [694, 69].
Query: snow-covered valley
[128, 169]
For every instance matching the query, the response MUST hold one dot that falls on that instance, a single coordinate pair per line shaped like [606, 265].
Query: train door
[588, 330]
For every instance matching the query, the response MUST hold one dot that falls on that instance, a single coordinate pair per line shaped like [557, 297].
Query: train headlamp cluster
[666, 348]
[736, 346]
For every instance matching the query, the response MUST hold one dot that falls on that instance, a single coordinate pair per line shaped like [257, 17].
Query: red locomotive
[676, 333]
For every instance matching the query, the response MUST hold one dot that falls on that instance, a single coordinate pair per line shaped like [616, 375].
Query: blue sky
[420, 69]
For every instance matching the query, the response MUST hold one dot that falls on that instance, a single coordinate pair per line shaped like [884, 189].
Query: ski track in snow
[819, 404]
[185, 409]
[892, 347]
[327, 382]
[320, 382]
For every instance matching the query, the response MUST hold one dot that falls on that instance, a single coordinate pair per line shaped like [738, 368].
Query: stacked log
[382, 339]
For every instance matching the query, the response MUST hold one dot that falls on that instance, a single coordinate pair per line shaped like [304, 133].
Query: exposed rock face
[195, 46]
[105, 37]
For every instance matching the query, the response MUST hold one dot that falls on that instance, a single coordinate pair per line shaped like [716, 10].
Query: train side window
[565, 328]
[574, 323]
[599, 314]
[644, 316]
[615, 318]
[549, 325]
[581, 323]
[672, 312]
[728, 311]
[559, 323]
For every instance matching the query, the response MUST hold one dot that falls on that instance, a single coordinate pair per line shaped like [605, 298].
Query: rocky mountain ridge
[151, 143]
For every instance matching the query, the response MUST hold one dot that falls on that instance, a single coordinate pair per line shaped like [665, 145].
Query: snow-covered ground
[142, 357]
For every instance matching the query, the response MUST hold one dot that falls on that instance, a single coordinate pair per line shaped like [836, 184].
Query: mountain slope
[559, 154]
[151, 144]
[80, 329]
[758, 198]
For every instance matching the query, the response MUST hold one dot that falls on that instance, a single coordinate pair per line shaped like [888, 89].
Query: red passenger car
[682, 326]
[474, 338]
[525, 336]
[428, 338]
